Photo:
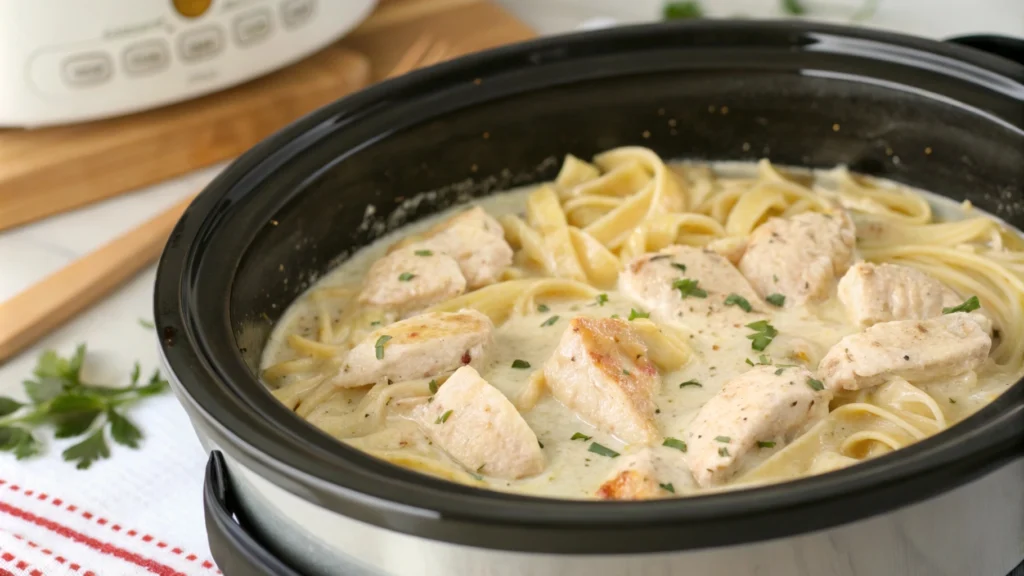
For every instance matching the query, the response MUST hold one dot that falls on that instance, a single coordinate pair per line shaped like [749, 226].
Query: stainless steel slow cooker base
[945, 536]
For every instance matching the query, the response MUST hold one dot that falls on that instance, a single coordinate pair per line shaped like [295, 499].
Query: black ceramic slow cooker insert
[282, 214]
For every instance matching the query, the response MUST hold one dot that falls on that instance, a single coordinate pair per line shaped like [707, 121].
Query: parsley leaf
[688, 287]
[550, 321]
[146, 324]
[58, 397]
[634, 314]
[443, 417]
[378, 347]
[678, 266]
[602, 450]
[580, 436]
[763, 334]
[737, 300]
[423, 253]
[668, 487]
[683, 10]
[9, 406]
[432, 386]
[93, 448]
[691, 383]
[969, 305]
[794, 7]
[542, 308]
[675, 443]
[776, 299]
[815, 385]
[520, 364]
[763, 444]
[602, 299]
[406, 276]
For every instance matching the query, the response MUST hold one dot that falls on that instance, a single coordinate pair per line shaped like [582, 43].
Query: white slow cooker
[65, 61]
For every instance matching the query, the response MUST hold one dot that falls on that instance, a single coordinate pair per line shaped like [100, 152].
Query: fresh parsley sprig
[58, 397]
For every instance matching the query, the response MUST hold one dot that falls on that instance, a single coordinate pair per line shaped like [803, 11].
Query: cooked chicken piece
[763, 409]
[645, 474]
[915, 350]
[663, 284]
[601, 371]
[799, 257]
[411, 279]
[477, 426]
[477, 242]
[418, 347]
[874, 293]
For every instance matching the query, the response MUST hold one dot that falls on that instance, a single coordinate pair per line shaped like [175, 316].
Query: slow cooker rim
[190, 367]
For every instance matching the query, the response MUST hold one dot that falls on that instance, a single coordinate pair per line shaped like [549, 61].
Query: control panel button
[87, 69]
[252, 27]
[191, 8]
[201, 43]
[146, 57]
[295, 13]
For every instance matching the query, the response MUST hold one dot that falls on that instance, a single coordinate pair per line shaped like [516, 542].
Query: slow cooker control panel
[108, 58]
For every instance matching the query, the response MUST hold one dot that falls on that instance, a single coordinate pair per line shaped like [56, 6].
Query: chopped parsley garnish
[658, 257]
[763, 334]
[375, 323]
[406, 276]
[969, 305]
[602, 299]
[763, 444]
[668, 487]
[952, 401]
[723, 451]
[815, 385]
[520, 364]
[146, 323]
[432, 386]
[424, 253]
[779, 371]
[443, 417]
[58, 397]
[678, 266]
[625, 372]
[764, 359]
[674, 443]
[580, 436]
[748, 361]
[602, 450]
[794, 7]
[539, 443]
[691, 383]
[683, 10]
[379, 346]
[737, 300]
[776, 299]
[550, 321]
[723, 439]
[634, 314]
[614, 316]
[688, 287]
[542, 308]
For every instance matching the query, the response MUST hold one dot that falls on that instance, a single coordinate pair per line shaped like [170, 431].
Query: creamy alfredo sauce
[572, 470]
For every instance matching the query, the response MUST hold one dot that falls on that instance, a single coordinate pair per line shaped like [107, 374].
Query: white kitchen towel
[138, 512]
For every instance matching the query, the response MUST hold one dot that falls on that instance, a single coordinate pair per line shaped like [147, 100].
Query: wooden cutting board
[52, 170]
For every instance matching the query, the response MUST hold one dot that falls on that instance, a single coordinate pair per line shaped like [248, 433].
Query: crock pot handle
[236, 551]
[1005, 46]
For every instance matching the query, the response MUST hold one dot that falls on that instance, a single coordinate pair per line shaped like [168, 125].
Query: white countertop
[112, 330]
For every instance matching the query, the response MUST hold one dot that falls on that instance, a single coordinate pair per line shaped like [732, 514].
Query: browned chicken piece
[799, 257]
[646, 474]
[419, 347]
[480, 428]
[600, 370]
